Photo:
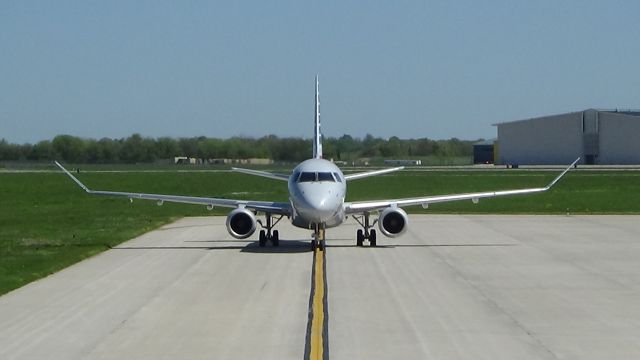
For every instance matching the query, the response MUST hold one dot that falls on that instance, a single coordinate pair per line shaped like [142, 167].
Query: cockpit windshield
[307, 177]
[316, 176]
[325, 176]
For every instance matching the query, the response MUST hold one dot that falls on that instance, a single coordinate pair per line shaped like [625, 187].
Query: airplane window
[307, 177]
[337, 176]
[325, 176]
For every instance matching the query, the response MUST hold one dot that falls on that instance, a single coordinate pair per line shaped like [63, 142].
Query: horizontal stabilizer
[372, 173]
[262, 173]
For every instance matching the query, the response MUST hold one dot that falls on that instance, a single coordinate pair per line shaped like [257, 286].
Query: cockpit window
[325, 176]
[307, 177]
[313, 176]
[337, 176]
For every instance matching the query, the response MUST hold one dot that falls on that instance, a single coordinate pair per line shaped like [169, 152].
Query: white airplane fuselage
[317, 190]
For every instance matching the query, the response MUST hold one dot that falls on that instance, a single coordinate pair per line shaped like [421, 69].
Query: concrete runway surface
[453, 287]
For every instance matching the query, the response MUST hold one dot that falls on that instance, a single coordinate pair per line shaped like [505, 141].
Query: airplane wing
[371, 173]
[366, 206]
[279, 208]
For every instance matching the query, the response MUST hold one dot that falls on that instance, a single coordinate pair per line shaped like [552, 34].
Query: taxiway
[453, 287]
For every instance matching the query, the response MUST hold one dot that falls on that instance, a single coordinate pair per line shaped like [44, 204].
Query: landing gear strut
[366, 233]
[318, 238]
[269, 235]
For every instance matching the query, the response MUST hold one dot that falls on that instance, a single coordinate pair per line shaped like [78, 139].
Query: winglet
[83, 186]
[562, 174]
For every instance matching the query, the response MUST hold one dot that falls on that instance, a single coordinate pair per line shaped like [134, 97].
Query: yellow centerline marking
[317, 322]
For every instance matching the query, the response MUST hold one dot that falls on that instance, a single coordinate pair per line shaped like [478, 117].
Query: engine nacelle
[393, 222]
[241, 223]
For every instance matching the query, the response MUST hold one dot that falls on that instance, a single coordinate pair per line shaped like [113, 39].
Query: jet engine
[241, 223]
[393, 222]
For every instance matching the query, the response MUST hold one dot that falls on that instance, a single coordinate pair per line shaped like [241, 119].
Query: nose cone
[317, 206]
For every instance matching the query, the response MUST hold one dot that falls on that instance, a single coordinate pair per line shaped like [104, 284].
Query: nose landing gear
[318, 238]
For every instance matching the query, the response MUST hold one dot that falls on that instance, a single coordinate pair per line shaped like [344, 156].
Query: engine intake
[393, 222]
[241, 223]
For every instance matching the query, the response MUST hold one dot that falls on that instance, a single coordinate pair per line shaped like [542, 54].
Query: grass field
[48, 223]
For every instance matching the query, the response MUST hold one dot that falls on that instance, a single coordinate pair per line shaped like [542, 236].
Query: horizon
[357, 138]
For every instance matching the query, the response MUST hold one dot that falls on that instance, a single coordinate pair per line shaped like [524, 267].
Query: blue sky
[412, 69]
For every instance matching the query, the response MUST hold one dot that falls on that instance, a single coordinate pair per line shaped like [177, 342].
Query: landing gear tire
[372, 238]
[314, 245]
[321, 245]
[359, 237]
[268, 235]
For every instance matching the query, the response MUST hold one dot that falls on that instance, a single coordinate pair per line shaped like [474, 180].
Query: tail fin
[317, 135]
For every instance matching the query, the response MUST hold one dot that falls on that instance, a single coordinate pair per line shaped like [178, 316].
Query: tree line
[139, 149]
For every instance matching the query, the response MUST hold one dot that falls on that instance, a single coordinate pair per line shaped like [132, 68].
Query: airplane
[317, 193]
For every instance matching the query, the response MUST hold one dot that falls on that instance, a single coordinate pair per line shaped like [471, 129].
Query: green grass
[579, 192]
[48, 223]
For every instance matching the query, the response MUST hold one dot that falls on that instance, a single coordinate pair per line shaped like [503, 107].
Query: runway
[453, 287]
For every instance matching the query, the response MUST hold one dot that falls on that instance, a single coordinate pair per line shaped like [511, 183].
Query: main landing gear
[366, 233]
[318, 238]
[269, 235]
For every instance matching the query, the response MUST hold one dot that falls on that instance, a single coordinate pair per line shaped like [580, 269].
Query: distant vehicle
[317, 191]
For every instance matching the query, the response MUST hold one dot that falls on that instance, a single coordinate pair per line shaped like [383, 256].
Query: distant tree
[166, 148]
[137, 149]
[330, 149]
[239, 148]
[425, 147]
[69, 148]
[43, 150]
[371, 146]
[293, 149]
[347, 145]
[110, 150]
[188, 147]
[394, 147]
[268, 146]
[209, 148]
[92, 152]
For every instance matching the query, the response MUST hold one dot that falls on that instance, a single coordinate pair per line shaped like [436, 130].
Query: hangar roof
[624, 112]
[631, 112]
